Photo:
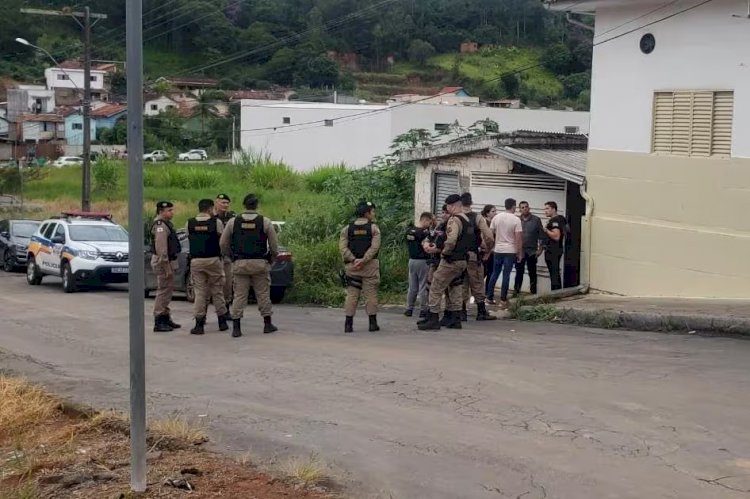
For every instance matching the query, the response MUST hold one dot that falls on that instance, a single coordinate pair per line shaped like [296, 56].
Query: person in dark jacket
[418, 266]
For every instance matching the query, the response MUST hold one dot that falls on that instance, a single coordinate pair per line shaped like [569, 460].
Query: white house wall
[75, 79]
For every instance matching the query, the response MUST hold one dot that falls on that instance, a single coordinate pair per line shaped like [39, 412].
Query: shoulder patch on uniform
[160, 229]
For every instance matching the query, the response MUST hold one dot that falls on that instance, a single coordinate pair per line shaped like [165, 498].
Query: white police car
[82, 248]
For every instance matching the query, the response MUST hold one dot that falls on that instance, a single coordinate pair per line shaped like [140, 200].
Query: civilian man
[533, 235]
[508, 249]
[555, 243]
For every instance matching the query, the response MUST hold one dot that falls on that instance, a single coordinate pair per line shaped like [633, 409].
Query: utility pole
[86, 15]
[134, 44]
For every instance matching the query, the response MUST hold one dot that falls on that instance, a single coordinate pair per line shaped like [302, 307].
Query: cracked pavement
[502, 409]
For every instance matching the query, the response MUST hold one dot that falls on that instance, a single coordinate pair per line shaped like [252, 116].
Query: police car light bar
[94, 215]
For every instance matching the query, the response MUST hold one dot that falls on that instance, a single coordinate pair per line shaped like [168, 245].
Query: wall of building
[360, 136]
[161, 103]
[74, 136]
[669, 226]
[74, 78]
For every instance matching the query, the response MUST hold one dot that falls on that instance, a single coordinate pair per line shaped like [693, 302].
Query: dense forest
[257, 43]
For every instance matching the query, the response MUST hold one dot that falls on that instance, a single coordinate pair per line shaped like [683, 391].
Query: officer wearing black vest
[251, 241]
[459, 239]
[359, 244]
[223, 213]
[165, 246]
[206, 267]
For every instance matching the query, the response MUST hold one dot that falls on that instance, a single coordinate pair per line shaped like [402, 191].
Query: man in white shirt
[508, 232]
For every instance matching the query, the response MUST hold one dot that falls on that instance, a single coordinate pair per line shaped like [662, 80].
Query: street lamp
[86, 169]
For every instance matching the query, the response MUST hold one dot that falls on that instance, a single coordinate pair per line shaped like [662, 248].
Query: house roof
[76, 64]
[568, 164]
[193, 81]
[108, 110]
[66, 111]
[450, 90]
[48, 118]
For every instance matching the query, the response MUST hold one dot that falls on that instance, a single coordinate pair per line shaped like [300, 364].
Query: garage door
[445, 185]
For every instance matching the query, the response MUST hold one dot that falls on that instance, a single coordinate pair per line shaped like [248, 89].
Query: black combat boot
[171, 323]
[423, 314]
[455, 320]
[447, 319]
[464, 314]
[432, 323]
[161, 324]
[374, 323]
[236, 329]
[223, 321]
[268, 326]
[349, 324]
[483, 314]
[199, 323]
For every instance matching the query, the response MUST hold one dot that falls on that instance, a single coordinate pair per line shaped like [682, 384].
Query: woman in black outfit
[488, 212]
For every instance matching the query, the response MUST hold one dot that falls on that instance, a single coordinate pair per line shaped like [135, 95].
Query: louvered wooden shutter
[693, 123]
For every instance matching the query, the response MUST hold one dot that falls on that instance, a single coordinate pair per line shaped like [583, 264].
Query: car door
[58, 242]
[5, 244]
[44, 255]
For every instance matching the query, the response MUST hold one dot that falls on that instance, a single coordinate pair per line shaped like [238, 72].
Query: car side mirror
[58, 240]
[5, 235]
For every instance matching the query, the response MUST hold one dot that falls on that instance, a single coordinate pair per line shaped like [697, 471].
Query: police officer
[359, 244]
[459, 239]
[165, 246]
[435, 242]
[474, 282]
[206, 266]
[251, 241]
[223, 213]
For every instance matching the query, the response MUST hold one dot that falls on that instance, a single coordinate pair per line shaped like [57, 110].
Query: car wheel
[33, 276]
[8, 263]
[68, 279]
[277, 294]
[189, 289]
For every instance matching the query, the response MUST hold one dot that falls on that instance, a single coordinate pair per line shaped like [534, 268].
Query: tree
[318, 72]
[420, 51]
[207, 102]
[511, 84]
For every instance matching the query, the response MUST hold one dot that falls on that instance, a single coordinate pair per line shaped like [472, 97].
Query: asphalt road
[503, 409]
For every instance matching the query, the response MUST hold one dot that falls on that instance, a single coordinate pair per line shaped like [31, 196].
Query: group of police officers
[230, 253]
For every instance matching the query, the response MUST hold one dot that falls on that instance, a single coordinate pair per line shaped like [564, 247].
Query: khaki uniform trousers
[208, 282]
[254, 274]
[228, 281]
[474, 282]
[447, 277]
[362, 282]
[164, 285]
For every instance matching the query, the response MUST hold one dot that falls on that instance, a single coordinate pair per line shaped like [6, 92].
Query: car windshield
[112, 233]
[24, 229]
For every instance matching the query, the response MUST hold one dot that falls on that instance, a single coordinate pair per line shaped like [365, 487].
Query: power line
[637, 18]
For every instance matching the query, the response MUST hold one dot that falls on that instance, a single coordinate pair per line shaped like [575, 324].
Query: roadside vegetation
[314, 206]
[51, 449]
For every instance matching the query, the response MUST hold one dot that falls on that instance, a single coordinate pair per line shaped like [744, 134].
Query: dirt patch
[72, 454]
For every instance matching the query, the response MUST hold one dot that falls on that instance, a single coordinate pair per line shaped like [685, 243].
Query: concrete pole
[134, 34]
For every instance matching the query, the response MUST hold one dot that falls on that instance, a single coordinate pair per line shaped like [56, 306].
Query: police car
[81, 248]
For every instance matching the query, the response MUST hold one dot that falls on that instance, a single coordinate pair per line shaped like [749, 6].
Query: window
[328, 122]
[24, 229]
[286, 120]
[154, 107]
[43, 229]
[93, 78]
[572, 129]
[60, 232]
[49, 231]
[444, 184]
[62, 77]
[693, 123]
[77, 126]
[109, 233]
[441, 127]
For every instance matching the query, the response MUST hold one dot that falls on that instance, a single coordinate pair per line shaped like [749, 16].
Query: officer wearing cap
[206, 265]
[223, 213]
[459, 239]
[359, 244]
[251, 240]
[165, 246]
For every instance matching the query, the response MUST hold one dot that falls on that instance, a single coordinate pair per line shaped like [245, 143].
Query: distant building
[67, 81]
[307, 135]
[29, 99]
[106, 116]
[38, 128]
[156, 105]
[193, 85]
[469, 47]
[450, 96]
[505, 103]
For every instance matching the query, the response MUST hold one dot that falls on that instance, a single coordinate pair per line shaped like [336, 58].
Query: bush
[190, 178]
[107, 175]
[316, 179]
[274, 176]
[11, 181]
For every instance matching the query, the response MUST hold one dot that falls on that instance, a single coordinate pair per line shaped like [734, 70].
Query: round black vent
[648, 43]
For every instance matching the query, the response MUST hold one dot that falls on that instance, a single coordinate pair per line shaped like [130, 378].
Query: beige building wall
[670, 226]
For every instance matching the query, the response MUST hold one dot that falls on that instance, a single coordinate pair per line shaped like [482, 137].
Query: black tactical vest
[360, 239]
[465, 241]
[204, 238]
[226, 217]
[477, 232]
[249, 239]
[173, 242]
[414, 238]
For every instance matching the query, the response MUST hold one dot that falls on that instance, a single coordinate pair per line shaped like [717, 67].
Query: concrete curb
[706, 325]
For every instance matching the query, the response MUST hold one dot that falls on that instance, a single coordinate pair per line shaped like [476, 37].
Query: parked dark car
[14, 242]
[282, 272]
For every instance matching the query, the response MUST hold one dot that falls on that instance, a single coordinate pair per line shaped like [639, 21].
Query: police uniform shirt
[202, 217]
[227, 235]
[371, 253]
[162, 233]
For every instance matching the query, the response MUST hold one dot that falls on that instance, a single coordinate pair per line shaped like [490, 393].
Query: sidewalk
[711, 317]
